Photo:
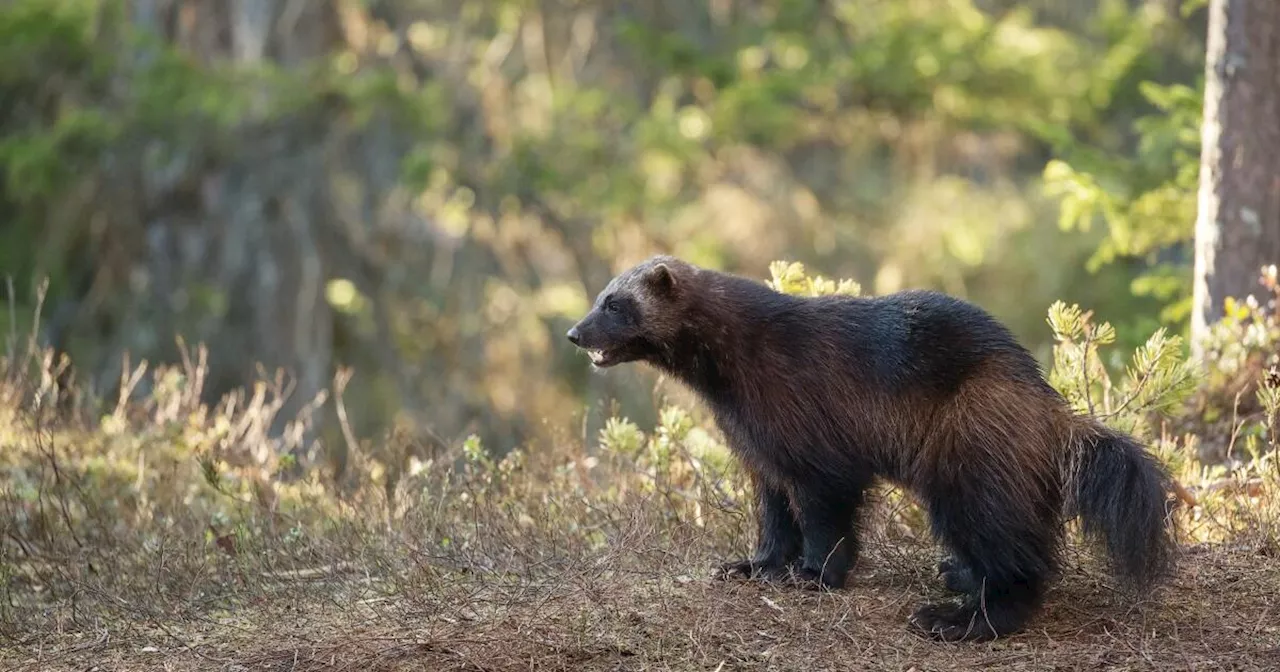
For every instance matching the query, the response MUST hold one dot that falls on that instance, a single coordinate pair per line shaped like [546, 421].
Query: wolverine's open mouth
[602, 358]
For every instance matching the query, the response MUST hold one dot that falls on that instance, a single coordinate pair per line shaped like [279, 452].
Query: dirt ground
[1221, 612]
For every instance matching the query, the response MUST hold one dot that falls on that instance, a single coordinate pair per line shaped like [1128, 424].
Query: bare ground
[1221, 612]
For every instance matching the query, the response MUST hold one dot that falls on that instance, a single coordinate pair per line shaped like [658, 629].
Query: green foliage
[1157, 204]
[1144, 192]
[1157, 380]
[1246, 331]
[680, 455]
[50, 71]
[1233, 411]
[622, 437]
[49, 34]
[790, 278]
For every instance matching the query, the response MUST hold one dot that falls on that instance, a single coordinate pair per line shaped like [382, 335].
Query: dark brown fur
[819, 397]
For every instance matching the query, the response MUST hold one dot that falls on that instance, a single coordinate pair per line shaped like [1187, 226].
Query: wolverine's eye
[610, 306]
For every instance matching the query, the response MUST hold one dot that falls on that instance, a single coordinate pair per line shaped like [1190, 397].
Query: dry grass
[1219, 613]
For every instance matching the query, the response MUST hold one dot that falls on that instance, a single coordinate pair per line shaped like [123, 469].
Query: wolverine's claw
[740, 569]
[751, 571]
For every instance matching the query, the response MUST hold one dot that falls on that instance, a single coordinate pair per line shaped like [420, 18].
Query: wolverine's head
[636, 314]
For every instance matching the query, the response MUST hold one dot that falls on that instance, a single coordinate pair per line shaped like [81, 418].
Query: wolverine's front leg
[779, 541]
[828, 522]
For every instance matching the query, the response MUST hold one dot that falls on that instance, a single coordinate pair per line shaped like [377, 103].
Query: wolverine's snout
[603, 351]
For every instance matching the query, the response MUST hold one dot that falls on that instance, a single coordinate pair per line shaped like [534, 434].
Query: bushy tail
[1119, 491]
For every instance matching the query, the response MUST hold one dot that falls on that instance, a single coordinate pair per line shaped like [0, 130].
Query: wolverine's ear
[661, 278]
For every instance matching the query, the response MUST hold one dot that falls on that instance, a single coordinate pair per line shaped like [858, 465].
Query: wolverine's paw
[956, 576]
[815, 579]
[950, 622]
[747, 570]
[741, 570]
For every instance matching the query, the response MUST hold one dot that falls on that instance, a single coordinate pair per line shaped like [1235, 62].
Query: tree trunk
[1238, 223]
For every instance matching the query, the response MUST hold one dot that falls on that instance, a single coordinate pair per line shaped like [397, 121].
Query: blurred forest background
[430, 192]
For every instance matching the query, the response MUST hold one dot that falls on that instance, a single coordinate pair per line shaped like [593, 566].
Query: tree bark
[1238, 223]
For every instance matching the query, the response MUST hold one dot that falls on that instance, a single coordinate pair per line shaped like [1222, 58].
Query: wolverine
[820, 398]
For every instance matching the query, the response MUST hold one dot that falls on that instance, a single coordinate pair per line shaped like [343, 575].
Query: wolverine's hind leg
[779, 542]
[956, 575]
[1005, 544]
